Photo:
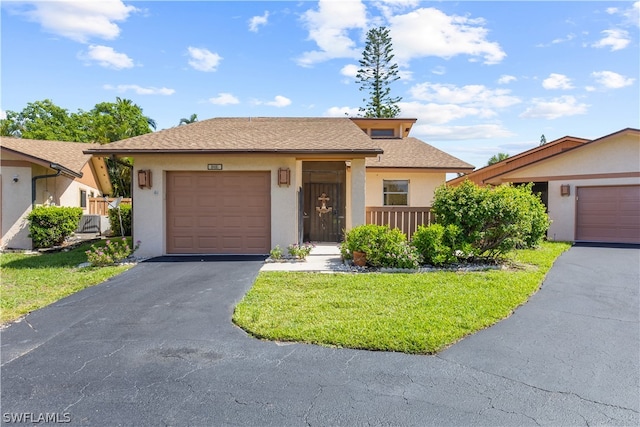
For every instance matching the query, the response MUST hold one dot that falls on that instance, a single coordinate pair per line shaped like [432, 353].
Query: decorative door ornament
[323, 209]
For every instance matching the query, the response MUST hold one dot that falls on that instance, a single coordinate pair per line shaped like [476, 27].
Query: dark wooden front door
[324, 224]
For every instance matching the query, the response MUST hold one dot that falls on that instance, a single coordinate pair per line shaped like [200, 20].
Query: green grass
[32, 281]
[413, 313]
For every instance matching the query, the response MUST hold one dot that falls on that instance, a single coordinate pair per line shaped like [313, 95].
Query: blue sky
[480, 77]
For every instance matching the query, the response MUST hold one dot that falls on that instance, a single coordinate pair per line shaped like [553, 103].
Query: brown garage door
[218, 212]
[608, 214]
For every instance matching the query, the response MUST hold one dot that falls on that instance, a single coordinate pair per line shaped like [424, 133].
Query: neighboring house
[591, 187]
[35, 172]
[245, 185]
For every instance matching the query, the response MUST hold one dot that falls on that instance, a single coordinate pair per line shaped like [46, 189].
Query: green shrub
[384, 247]
[51, 225]
[114, 220]
[492, 220]
[438, 244]
[111, 253]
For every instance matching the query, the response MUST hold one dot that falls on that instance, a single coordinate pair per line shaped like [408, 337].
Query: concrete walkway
[324, 257]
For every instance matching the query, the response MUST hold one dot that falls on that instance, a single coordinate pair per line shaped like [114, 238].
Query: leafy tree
[376, 73]
[192, 119]
[497, 158]
[106, 122]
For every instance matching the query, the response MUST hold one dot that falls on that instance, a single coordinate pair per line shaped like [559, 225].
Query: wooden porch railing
[407, 219]
[99, 206]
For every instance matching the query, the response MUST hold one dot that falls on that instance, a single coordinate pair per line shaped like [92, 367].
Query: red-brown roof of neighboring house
[252, 134]
[69, 155]
[480, 176]
[413, 153]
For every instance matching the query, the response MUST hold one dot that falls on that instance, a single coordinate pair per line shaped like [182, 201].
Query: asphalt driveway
[155, 346]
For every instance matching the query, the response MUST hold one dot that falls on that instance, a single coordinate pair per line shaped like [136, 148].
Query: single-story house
[245, 185]
[591, 187]
[36, 172]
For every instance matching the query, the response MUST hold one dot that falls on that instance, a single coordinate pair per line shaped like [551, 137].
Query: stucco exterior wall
[610, 161]
[17, 197]
[16, 205]
[421, 186]
[149, 205]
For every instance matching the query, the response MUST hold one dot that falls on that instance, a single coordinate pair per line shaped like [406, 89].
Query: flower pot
[359, 258]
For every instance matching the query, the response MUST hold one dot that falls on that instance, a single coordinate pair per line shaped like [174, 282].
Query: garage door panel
[218, 212]
[608, 214]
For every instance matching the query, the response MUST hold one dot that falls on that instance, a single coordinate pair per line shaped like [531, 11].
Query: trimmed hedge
[383, 246]
[51, 225]
[114, 220]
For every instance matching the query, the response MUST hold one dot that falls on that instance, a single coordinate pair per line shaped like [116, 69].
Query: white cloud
[203, 60]
[279, 101]
[257, 21]
[224, 99]
[611, 80]
[470, 95]
[612, 10]
[432, 113]
[78, 20]
[506, 79]
[107, 57]
[342, 112]
[557, 81]
[439, 70]
[451, 133]
[431, 32]
[328, 27]
[139, 90]
[569, 37]
[555, 108]
[616, 39]
[3, 114]
[349, 70]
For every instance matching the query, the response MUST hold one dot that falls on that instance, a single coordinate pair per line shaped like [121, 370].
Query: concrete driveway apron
[156, 346]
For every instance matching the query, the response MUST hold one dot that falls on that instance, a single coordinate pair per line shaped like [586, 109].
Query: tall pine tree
[376, 74]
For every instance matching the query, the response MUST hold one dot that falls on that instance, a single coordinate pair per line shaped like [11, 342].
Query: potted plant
[358, 241]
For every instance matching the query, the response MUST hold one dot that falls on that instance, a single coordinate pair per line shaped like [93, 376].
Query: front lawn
[414, 313]
[32, 281]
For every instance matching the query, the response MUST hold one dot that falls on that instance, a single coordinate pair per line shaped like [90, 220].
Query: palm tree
[192, 119]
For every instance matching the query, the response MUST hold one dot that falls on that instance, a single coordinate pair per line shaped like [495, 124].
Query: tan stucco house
[591, 187]
[35, 172]
[245, 185]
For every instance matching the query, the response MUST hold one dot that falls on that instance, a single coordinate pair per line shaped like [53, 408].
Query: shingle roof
[255, 134]
[67, 154]
[413, 153]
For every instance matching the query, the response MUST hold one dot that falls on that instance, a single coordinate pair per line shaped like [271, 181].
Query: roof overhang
[127, 153]
[45, 163]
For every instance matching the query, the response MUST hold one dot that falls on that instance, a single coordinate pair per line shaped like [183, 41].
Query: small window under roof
[382, 133]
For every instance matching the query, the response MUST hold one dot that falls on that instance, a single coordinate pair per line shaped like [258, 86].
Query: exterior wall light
[144, 178]
[284, 177]
[565, 190]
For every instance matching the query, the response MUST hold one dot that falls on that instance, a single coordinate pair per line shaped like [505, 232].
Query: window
[382, 133]
[83, 199]
[395, 193]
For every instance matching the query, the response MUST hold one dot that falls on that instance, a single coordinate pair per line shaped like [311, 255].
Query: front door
[323, 201]
[325, 211]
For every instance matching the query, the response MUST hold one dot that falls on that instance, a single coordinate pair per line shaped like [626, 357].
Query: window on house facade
[382, 133]
[395, 192]
[83, 199]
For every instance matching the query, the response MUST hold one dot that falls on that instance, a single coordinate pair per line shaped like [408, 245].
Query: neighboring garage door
[608, 214]
[218, 212]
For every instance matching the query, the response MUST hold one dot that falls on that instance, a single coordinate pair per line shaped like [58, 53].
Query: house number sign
[214, 167]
